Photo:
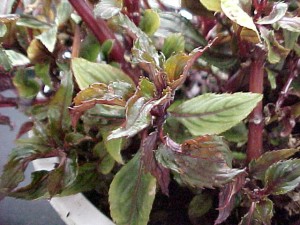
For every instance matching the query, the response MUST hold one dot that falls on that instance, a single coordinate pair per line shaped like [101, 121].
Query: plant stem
[256, 122]
[133, 10]
[103, 33]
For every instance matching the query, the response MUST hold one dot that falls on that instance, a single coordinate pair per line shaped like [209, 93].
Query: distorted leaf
[282, 177]
[173, 44]
[290, 23]
[150, 22]
[215, 113]
[87, 73]
[200, 205]
[106, 9]
[213, 5]
[25, 84]
[278, 11]
[234, 11]
[258, 167]
[131, 194]
[202, 162]
[48, 38]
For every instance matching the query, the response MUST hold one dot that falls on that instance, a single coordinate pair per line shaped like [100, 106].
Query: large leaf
[276, 14]
[282, 177]
[202, 162]
[258, 167]
[87, 73]
[131, 194]
[234, 11]
[108, 8]
[215, 113]
[290, 23]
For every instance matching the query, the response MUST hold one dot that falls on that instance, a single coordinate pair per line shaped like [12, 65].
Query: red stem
[256, 122]
[133, 10]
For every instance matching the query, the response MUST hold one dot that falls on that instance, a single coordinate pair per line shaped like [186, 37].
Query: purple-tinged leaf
[260, 213]
[131, 194]
[201, 162]
[258, 167]
[161, 173]
[227, 197]
[276, 14]
[27, 126]
[290, 23]
[5, 120]
[282, 177]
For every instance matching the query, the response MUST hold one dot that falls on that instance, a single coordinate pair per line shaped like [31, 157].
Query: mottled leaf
[131, 194]
[200, 205]
[282, 177]
[290, 23]
[278, 11]
[48, 38]
[202, 162]
[42, 71]
[150, 22]
[108, 8]
[32, 22]
[87, 73]
[213, 5]
[173, 44]
[26, 85]
[215, 113]
[258, 167]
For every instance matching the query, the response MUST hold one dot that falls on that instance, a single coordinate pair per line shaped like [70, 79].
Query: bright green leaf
[213, 5]
[131, 194]
[282, 177]
[215, 113]
[87, 73]
[108, 8]
[173, 44]
[150, 22]
[48, 38]
[276, 14]
[202, 162]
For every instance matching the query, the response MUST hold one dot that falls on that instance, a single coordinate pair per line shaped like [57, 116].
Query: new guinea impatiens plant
[170, 114]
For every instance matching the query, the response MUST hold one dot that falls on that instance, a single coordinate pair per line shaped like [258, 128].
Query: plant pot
[75, 209]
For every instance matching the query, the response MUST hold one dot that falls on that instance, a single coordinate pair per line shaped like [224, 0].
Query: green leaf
[106, 162]
[16, 58]
[282, 177]
[26, 86]
[108, 8]
[234, 11]
[3, 30]
[113, 146]
[173, 44]
[87, 73]
[6, 6]
[278, 11]
[260, 214]
[48, 38]
[131, 194]
[213, 5]
[215, 113]
[290, 39]
[63, 12]
[32, 22]
[202, 162]
[42, 71]
[272, 78]
[89, 48]
[237, 134]
[55, 181]
[150, 22]
[200, 205]
[258, 167]
[290, 23]
[276, 52]
[5, 60]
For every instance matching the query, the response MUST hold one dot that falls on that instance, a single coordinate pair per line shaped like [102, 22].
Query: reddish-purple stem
[256, 121]
[133, 10]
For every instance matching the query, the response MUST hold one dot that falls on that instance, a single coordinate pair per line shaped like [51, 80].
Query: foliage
[134, 94]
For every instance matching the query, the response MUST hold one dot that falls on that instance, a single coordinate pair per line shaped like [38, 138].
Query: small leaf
[63, 12]
[48, 38]
[272, 78]
[150, 22]
[106, 9]
[173, 44]
[258, 167]
[89, 48]
[290, 39]
[106, 163]
[32, 22]
[234, 11]
[201, 162]
[290, 23]
[113, 146]
[278, 11]
[282, 177]
[42, 71]
[131, 194]
[87, 73]
[215, 113]
[26, 86]
[200, 205]
[5, 60]
[213, 5]
[16, 58]
[237, 134]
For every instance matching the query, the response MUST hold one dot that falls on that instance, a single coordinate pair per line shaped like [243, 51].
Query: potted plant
[171, 115]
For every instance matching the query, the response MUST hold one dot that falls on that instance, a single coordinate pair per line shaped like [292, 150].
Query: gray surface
[15, 211]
